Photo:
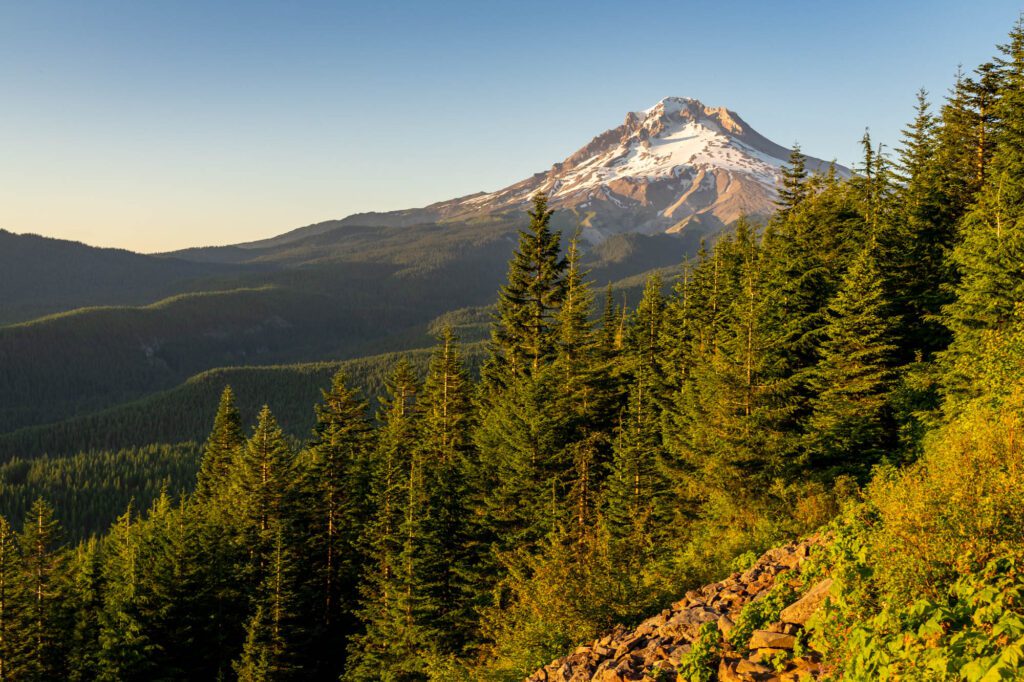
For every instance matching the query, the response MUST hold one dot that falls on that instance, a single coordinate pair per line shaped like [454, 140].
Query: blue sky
[154, 126]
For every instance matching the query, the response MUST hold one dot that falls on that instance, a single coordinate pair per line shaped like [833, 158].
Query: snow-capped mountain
[678, 166]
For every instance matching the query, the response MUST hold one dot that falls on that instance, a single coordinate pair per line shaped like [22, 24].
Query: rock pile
[653, 650]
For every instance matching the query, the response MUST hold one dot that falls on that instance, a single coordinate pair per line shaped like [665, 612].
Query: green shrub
[698, 664]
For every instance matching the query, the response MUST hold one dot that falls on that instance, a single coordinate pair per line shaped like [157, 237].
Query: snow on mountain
[677, 167]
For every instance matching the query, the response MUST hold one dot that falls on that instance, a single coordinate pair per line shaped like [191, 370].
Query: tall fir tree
[12, 602]
[635, 493]
[445, 447]
[221, 448]
[335, 491]
[795, 187]
[524, 334]
[42, 563]
[850, 427]
[268, 655]
[989, 257]
[262, 483]
[913, 248]
[386, 649]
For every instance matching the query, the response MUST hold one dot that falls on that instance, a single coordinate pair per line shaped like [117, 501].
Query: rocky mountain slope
[746, 650]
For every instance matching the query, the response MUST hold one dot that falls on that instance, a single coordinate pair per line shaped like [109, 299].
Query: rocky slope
[654, 649]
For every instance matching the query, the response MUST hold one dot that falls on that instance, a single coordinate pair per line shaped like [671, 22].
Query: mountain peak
[685, 109]
[678, 167]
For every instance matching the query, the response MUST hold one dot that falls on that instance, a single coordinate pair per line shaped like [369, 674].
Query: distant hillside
[39, 276]
[185, 412]
[347, 293]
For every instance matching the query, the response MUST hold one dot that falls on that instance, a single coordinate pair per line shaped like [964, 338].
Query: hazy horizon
[156, 128]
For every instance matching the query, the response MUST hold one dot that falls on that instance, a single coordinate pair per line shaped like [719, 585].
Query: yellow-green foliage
[759, 614]
[929, 570]
[574, 591]
[960, 507]
[697, 665]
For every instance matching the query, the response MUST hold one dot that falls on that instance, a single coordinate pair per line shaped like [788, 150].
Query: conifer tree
[267, 654]
[850, 427]
[913, 248]
[262, 480]
[446, 451]
[42, 564]
[12, 602]
[384, 648]
[124, 642]
[609, 322]
[221, 447]
[85, 604]
[635, 490]
[636, 505]
[732, 415]
[990, 255]
[220, 597]
[575, 342]
[644, 339]
[585, 362]
[794, 187]
[964, 143]
[524, 334]
[336, 488]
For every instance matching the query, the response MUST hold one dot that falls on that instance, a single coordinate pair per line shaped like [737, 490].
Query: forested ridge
[182, 413]
[349, 292]
[855, 363]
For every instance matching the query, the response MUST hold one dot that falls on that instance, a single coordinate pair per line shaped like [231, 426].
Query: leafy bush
[697, 664]
[760, 613]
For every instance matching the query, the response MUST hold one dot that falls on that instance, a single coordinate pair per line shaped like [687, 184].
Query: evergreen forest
[855, 364]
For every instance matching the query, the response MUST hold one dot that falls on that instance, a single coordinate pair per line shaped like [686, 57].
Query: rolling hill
[184, 413]
[40, 276]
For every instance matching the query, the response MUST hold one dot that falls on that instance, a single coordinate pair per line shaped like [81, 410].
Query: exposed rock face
[658, 643]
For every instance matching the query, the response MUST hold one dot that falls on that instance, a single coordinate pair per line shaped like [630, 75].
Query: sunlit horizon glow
[158, 126]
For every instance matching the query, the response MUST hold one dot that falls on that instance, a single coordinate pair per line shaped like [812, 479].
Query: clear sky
[159, 125]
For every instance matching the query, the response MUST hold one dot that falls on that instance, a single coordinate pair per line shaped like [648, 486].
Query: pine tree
[42, 564]
[585, 362]
[262, 478]
[989, 258]
[445, 449]
[794, 187]
[267, 655]
[913, 248]
[636, 502]
[850, 427]
[12, 602]
[335, 493]
[523, 335]
[383, 649]
[964, 144]
[85, 604]
[732, 416]
[575, 343]
[874, 184]
[219, 453]
[124, 642]
[636, 489]
[221, 599]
